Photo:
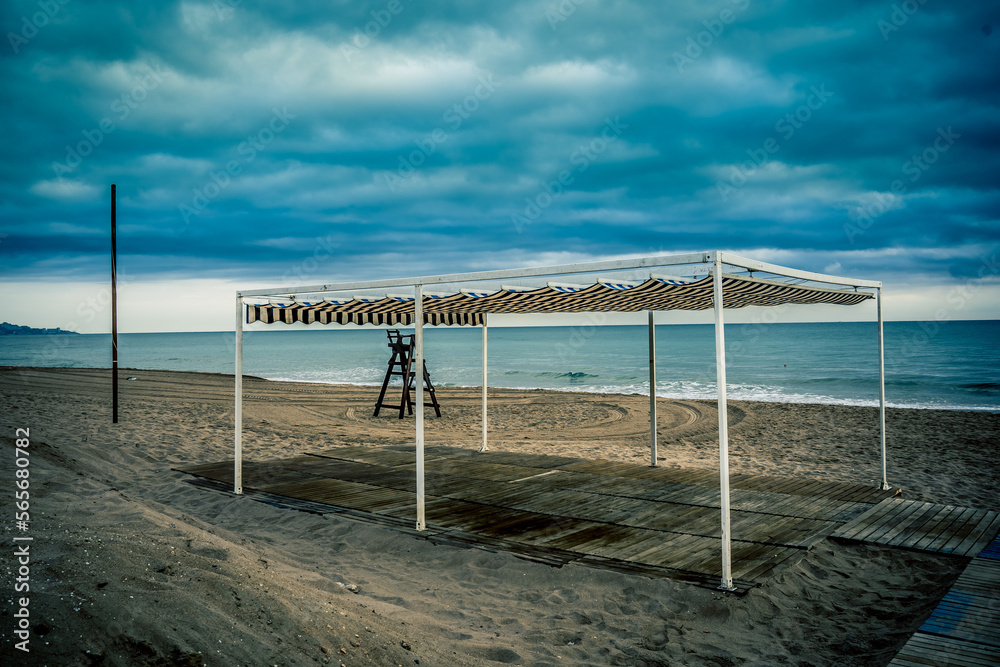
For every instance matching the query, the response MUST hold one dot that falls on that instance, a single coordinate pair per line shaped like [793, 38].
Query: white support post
[418, 328]
[652, 390]
[238, 455]
[881, 388]
[720, 379]
[484, 447]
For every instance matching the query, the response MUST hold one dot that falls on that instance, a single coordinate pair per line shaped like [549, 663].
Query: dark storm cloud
[244, 135]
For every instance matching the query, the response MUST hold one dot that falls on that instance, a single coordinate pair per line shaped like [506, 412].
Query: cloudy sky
[256, 144]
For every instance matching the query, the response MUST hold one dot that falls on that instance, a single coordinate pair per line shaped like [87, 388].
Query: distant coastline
[8, 329]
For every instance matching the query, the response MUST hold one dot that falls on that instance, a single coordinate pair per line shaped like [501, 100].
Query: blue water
[951, 365]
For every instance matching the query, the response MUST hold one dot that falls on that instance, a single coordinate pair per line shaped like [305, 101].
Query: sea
[952, 365]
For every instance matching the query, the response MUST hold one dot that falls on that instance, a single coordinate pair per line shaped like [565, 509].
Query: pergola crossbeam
[564, 269]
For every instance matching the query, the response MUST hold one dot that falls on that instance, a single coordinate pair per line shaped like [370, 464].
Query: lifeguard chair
[401, 365]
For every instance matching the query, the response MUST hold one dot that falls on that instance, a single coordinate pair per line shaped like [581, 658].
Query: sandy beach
[132, 565]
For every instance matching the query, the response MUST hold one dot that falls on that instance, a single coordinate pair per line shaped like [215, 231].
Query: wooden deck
[926, 526]
[558, 510]
[964, 629]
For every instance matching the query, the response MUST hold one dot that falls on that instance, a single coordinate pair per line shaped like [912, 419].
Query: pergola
[471, 303]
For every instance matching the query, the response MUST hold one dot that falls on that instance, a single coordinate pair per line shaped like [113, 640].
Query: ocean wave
[988, 388]
[573, 377]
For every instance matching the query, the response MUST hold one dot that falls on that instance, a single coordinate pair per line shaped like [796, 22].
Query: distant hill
[8, 329]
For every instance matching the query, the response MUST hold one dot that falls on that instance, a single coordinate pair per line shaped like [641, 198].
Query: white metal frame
[716, 258]
[418, 330]
[238, 471]
[485, 446]
[723, 409]
[652, 390]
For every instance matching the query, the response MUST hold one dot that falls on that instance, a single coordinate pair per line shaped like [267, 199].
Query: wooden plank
[752, 483]
[737, 477]
[978, 583]
[925, 649]
[765, 483]
[908, 513]
[689, 476]
[372, 455]
[546, 461]
[908, 526]
[765, 567]
[772, 503]
[958, 522]
[361, 453]
[970, 616]
[693, 495]
[829, 491]
[946, 648]
[692, 519]
[926, 526]
[206, 469]
[796, 532]
[972, 543]
[961, 632]
[983, 569]
[763, 560]
[992, 550]
[972, 527]
[966, 612]
[745, 555]
[511, 524]
[703, 555]
[810, 507]
[671, 553]
[753, 501]
[851, 529]
[758, 527]
[491, 521]
[670, 517]
[974, 600]
[588, 532]
[934, 527]
[961, 525]
[814, 488]
[639, 542]
[666, 475]
[706, 522]
[775, 484]
[862, 493]
[483, 470]
[610, 537]
[551, 530]
[797, 486]
[900, 512]
[876, 521]
[623, 510]
[827, 509]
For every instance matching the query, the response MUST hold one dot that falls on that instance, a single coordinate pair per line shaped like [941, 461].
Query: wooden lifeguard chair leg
[385, 382]
[430, 390]
[405, 402]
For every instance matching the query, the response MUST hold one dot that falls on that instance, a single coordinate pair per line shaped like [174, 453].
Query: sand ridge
[138, 567]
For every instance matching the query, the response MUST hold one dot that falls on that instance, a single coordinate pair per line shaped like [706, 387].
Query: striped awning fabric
[468, 307]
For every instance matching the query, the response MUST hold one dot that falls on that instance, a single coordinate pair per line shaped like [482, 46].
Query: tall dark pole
[114, 312]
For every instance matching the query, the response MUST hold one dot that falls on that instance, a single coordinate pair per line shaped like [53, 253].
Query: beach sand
[131, 565]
